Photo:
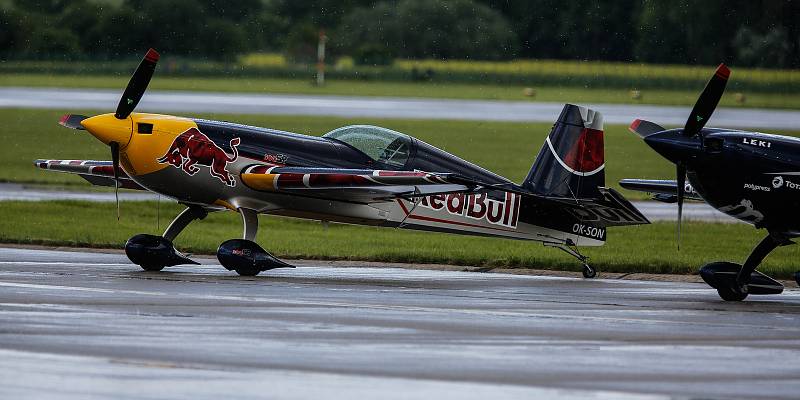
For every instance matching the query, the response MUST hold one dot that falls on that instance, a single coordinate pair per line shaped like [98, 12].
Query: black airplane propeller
[701, 113]
[133, 93]
[137, 85]
[747, 175]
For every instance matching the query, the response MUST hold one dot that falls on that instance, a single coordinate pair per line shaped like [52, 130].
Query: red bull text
[504, 212]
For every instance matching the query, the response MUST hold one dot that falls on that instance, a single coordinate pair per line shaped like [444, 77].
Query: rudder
[571, 163]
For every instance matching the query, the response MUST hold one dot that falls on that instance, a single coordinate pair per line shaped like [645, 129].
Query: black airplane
[357, 174]
[751, 176]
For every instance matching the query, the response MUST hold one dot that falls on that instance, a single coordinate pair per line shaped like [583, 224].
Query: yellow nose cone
[107, 128]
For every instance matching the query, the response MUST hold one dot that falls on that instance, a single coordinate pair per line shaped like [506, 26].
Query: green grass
[575, 68]
[648, 248]
[401, 89]
[557, 68]
[507, 148]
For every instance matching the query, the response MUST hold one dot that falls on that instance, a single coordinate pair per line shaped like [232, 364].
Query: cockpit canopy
[382, 145]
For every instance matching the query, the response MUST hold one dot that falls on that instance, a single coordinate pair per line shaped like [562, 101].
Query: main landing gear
[735, 282]
[153, 253]
[244, 256]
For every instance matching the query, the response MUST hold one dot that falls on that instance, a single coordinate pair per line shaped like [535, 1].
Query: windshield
[380, 144]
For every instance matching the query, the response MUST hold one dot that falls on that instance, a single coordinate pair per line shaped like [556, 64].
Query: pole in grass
[321, 58]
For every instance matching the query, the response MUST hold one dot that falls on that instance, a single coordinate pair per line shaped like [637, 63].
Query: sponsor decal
[192, 148]
[689, 189]
[589, 231]
[744, 211]
[778, 182]
[276, 158]
[242, 252]
[792, 185]
[757, 188]
[756, 142]
[504, 212]
[597, 213]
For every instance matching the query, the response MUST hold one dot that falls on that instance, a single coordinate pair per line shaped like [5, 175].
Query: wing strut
[418, 199]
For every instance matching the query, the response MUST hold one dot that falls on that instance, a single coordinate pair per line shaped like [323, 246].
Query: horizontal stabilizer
[610, 209]
[664, 190]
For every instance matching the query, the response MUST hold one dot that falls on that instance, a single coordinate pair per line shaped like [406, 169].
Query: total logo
[778, 182]
[503, 212]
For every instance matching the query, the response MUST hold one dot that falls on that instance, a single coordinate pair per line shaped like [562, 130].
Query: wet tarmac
[189, 103]
[653, 210]
[91, 325]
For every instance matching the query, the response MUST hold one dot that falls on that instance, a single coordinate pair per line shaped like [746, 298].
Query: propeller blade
[681, 178]
[137, 85]
[72, 121]
[645, 128]
[115, 162]
[707, 101]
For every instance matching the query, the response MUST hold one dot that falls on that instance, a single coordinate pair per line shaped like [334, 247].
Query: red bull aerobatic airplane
[364, 175]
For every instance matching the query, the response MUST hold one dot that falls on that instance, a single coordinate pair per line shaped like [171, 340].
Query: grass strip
[646, 249]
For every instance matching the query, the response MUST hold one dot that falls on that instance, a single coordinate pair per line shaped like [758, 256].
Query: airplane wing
[663, 190]
[373, 186]
[98, 173]
[354, 185]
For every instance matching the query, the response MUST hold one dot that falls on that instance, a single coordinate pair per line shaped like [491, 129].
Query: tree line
[759, 33]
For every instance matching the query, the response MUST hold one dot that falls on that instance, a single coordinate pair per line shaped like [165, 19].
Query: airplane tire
[729, 294]
[152, 268]
[589, 272]
[247, 271]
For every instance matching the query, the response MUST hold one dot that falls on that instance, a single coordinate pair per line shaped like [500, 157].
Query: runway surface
[655, 211]
[90, 325]
[189, 103]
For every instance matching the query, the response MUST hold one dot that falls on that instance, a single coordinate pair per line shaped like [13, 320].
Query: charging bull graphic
[193, 147]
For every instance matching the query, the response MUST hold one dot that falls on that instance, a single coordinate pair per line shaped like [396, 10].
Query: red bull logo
[192, 148]
[503, 212]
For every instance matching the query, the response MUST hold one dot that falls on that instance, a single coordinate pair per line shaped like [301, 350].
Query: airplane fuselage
[198, 161]
[754, 177]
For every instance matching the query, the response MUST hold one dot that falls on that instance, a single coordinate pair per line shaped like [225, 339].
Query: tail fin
[571, 162]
